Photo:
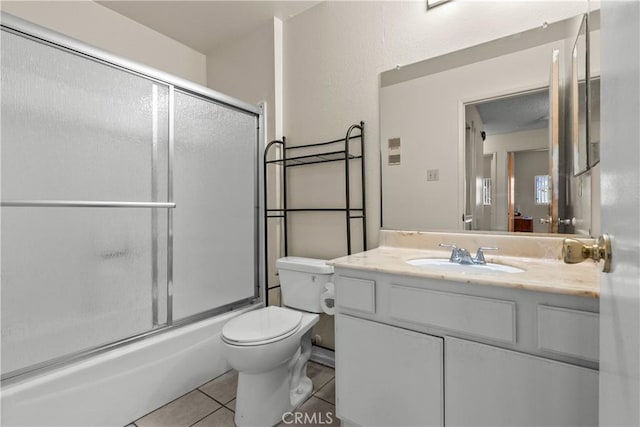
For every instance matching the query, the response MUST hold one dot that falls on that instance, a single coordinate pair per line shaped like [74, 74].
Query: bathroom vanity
[424, 346]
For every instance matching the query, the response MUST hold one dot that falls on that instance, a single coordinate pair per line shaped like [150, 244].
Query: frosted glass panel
[214, 189]
[76, 129]
[74, 278]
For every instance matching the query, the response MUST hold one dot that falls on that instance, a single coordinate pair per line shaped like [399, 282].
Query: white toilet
[270, 347]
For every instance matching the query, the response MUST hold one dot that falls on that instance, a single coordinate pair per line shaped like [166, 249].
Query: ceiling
[515, 113]
[203, 25]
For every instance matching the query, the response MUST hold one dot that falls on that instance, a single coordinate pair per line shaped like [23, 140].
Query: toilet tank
[302, 281]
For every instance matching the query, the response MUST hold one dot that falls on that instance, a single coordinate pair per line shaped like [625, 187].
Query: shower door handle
[84, 204]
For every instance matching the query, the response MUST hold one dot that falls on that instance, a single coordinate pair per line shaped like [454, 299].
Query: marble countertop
[542, 274]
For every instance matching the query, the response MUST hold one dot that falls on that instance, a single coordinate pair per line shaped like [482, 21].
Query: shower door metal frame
[51, 38]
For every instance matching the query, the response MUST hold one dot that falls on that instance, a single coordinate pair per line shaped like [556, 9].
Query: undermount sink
[443, 264]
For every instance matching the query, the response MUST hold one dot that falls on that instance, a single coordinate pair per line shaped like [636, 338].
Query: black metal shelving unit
[338, 150]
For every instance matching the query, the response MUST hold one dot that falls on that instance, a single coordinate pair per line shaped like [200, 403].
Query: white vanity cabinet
[387, 376]
[490, 386]
[416, 351]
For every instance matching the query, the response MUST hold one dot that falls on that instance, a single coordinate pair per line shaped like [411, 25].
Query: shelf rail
[347, 138]
[287, 161]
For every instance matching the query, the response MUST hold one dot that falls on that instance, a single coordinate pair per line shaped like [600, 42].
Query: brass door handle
[574, 251]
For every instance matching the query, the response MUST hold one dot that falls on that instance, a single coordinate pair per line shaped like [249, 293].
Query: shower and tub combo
[130, 212]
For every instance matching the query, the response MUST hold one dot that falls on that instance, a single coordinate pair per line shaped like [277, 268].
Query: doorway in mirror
[506, 149]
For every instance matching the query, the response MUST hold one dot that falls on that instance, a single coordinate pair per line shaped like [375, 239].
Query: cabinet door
[387, 376]
[489, 386]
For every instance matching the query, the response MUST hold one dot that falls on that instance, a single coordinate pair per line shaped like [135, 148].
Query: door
[620, 289]
[214, 257]
[78, 130]
[408, 394]
[491, 386]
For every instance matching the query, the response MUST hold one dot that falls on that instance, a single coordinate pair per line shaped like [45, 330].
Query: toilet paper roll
[328, 299]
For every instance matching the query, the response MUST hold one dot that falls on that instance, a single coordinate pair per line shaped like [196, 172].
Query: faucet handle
[455, 252]
[447, 245]
[479, 259]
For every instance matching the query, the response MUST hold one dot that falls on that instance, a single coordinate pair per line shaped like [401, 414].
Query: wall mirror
[480, 139]
[578, 95]
[585, 102]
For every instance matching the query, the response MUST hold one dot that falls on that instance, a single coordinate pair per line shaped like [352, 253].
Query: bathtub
[117, 387]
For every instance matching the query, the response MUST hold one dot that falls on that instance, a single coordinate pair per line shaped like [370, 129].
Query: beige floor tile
[183, 411]
[221, 418]
[314, 412]
[319, 374]
[231, 405]
[328, 392]
[223, 389]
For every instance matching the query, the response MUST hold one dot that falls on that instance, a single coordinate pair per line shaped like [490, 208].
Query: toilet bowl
[270, 347]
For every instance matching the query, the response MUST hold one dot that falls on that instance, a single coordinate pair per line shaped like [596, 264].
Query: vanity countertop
[546, 273]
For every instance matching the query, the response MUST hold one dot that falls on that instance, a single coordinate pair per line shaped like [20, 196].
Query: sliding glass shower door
[216, 199]
[74, 129]
[93, 157]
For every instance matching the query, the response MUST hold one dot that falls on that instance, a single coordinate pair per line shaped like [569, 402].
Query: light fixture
[434, 3]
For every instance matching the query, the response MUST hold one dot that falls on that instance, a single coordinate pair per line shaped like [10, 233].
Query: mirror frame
[580, 62]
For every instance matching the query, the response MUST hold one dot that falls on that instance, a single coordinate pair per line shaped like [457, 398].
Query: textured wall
[96, 25]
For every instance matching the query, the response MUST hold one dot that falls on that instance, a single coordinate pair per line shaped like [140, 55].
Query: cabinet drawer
[481, 317]
[569, 332]
[356, 294]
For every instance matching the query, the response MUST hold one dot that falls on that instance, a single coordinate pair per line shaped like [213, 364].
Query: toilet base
[263, 398]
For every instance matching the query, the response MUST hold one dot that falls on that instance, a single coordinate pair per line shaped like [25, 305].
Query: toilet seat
[261, 326]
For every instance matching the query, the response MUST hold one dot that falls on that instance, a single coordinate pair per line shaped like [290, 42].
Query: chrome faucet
[462, 256]
[458, 255]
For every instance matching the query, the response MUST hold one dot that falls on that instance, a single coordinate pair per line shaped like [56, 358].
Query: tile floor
[213, 404]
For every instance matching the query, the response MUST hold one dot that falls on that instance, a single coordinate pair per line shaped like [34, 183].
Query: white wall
[335, 52]
[517, 141]
[246, 68]
[96, 25]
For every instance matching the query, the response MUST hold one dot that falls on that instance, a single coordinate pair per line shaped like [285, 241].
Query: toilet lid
[261, 325]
